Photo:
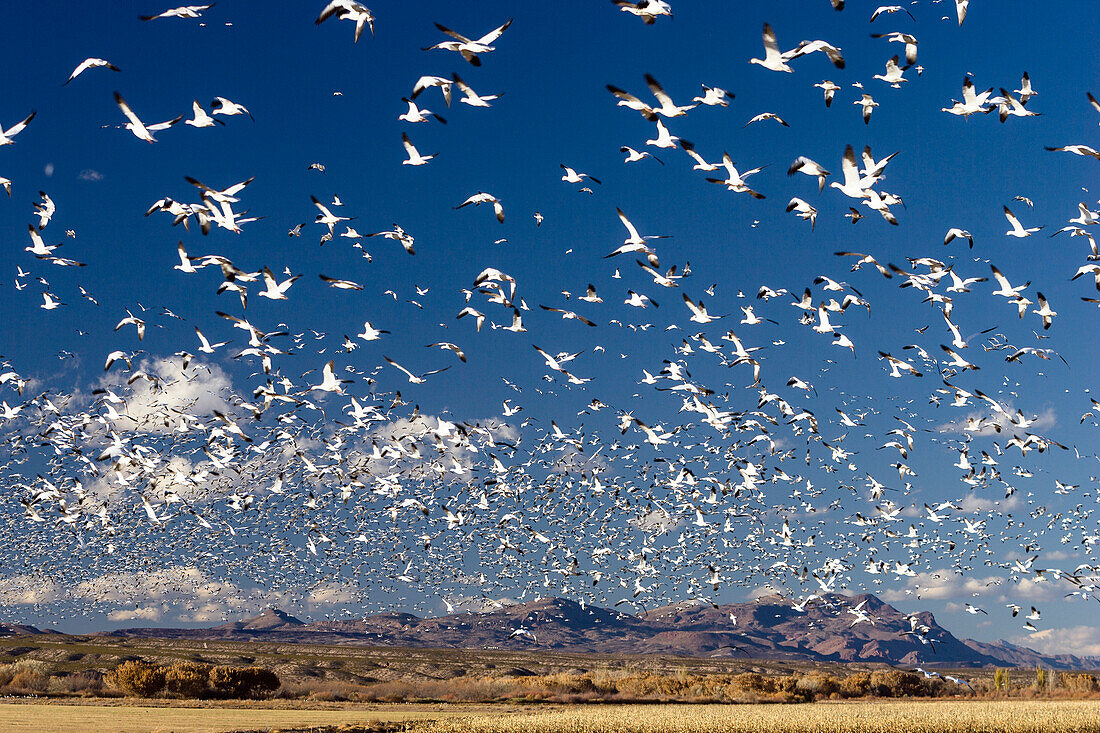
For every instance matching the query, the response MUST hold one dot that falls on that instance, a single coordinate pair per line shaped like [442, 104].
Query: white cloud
[172, 583]
[204, 614]
[1079, 640]
[154, 406]
[974, 504]
[130, 614]
[762, 591]
[330, 594]
[940, 585]
[28, 590]
[92, 176]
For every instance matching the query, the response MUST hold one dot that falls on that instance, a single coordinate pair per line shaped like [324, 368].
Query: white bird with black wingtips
[90, 63]
[415, 158]
[1017, 229]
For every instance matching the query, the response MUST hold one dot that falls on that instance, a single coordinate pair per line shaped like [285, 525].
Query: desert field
[85, 717]
[826, 717]
[845, 717]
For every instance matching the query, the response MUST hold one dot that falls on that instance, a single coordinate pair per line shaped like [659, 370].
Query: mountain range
[771, 627]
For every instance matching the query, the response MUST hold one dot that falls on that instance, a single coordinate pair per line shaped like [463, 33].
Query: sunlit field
[844, 717]
[857, 717]
[84, 718]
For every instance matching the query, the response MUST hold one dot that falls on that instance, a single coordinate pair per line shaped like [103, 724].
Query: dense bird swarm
[632, 427]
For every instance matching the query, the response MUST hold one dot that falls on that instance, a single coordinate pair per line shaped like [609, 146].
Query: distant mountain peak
[824, 629]
[271, 618]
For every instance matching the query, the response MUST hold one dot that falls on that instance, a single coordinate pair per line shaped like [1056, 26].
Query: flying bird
[7, 135]
[414, 156]
[348, 10]
[469, 48]
[90, 63]
[187, 11]
[480, 198]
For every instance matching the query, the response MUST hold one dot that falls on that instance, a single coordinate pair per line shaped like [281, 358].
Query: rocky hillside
[830, 629]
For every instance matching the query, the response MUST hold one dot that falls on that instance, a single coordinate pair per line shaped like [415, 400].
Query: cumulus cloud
[131, 614]
[158, 405]
[180, 593]
[172, 584]
[204, 614]
[1079, 640]
[330, 594]
[974, 504]
[448, 449]
[763, 591]
[940, 585]
[92, 176]
[28, 590]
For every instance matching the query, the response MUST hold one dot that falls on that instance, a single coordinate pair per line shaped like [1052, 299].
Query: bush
[752, 682]
[138, 678]
[895, 683]
[1078, 683]
[88, 682]
[817, 685]
[187, 679]
[243, 682]
[24, 677]
[856, 685]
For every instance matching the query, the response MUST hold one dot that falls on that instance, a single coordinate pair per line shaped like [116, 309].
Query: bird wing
[453, 34]
[495, 33]
[129, 113]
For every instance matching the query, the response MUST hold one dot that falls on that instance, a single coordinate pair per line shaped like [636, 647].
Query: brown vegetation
[178, 670]
[189, 680]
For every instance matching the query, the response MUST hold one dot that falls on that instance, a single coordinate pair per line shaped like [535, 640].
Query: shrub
[24, 677]
[752, 682]
[187, 679]
[1078, 683]
[895, 683]
[84, 682]
[243, 682]
[817, 685]
[138, 678]
[29, 682]
[856, 685]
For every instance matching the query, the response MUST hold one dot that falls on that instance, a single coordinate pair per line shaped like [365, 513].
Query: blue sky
[317, 97]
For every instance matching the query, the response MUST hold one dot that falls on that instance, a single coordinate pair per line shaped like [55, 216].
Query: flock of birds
[332, 486]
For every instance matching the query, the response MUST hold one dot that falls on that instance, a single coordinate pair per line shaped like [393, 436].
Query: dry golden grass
[89, 718]
[940, 716]
[844, 717]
